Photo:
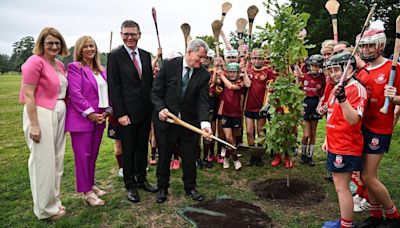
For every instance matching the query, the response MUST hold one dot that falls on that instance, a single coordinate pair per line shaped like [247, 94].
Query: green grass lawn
[16, 202]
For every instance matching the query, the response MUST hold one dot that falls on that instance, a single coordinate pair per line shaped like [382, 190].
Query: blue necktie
[185, 81]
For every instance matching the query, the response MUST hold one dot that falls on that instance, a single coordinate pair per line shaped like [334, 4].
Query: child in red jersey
[313, 84]
[256, 78]
[344, 142]
[230, 110]
[378, 127]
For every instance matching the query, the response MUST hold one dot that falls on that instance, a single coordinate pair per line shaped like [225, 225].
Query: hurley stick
[175, 120]
[186, 32]
[111, 33]
[355, 49]
[333, 7]
[251, 14]
[225, 8]
[385, 107]
[216, 28]
[154, 13]
[240, 26]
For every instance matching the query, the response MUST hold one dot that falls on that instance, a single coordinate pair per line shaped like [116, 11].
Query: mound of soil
[227, 213]
[299, 194]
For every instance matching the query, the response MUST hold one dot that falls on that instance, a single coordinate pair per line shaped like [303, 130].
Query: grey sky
[74, 18]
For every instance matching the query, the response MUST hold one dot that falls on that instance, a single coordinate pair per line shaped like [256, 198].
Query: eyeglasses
[52, 43]
[231, 57]
[127, 35]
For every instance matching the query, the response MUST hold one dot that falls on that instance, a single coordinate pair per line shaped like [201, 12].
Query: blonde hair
[78, 53]
[39, 45]
[327, 44]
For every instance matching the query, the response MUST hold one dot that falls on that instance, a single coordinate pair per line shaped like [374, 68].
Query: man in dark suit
[181, 87]
[130, 80]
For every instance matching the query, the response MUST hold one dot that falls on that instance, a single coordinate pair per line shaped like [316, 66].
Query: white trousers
[46, 160]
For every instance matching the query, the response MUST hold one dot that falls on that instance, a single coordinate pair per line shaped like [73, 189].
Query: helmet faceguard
[336, 65]
[257, 58]
[315, 64]
[374, 39]
[233, 70]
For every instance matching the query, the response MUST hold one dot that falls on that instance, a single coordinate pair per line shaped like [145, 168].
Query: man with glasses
[130, 79]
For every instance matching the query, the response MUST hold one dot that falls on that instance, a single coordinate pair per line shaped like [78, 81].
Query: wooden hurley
[251, 14]
[252, 150]
[154, 13]
[216, 28]
[225, 8]
[175, 120]
[385, 107]
[111, 33]
[240, 26]
[186, 32]
[333, 7]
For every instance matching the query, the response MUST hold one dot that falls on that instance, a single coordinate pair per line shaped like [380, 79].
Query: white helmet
[230, 53]
[372, 36]
[211, 53]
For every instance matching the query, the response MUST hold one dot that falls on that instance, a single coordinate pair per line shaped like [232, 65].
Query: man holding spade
[181, 88]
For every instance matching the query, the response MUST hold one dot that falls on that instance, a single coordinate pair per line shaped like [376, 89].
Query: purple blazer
[83, 98]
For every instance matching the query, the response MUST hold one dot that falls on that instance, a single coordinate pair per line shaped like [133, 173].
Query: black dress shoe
[133, 195]
[195, 195]
[370, 222]
[161, 195]
[147, 187]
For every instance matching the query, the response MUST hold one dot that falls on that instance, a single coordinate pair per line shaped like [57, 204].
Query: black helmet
[341, 59]
[315, 60]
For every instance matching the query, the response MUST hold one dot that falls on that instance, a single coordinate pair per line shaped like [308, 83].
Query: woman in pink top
[43, 90]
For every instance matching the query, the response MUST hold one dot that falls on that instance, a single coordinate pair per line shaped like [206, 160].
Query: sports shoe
[390, 223]
[331, 224]
[237, 164]
[153, 161]
[226, 163]
[310, 162]
[288, 162]
[277, 160]
[121, 172]
[370, 222]
[220, 160]
[223, 152]
[304, 159]
[212, 158]
[360, 204]
[176, 164]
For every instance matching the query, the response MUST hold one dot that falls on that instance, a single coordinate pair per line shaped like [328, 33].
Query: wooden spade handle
[175, 120]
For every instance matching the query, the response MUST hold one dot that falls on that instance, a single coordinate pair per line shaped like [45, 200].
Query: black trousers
[187, 141]
[134, 138]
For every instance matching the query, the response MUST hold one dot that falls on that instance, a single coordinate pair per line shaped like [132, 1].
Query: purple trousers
[86, 149]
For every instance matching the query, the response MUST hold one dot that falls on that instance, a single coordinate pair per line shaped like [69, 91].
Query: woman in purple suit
[86, 113]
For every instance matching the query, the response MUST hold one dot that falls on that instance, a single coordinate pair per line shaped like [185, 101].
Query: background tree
[351, 17]
[68, 59]
[286, 102]
[21, 51]
[211, 42]
[4, 61]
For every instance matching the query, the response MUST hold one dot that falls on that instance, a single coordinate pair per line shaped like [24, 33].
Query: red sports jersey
[256, 92]
[327, 91]
[229, 102]
[312, 85]
[375, 82]
[343, 138]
